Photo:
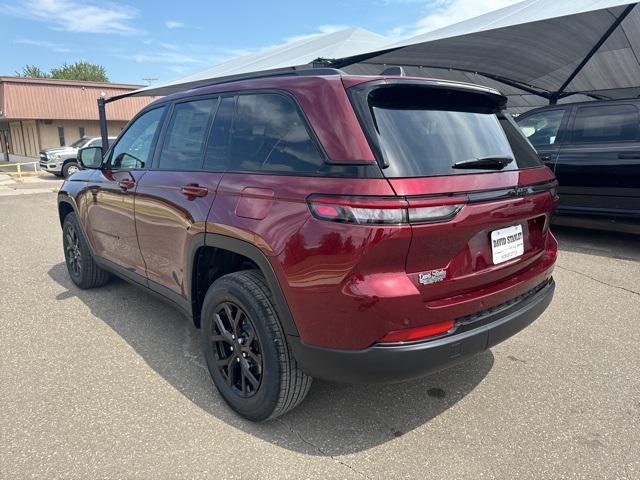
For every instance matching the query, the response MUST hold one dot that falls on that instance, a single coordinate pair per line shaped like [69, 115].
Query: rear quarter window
[270, 135]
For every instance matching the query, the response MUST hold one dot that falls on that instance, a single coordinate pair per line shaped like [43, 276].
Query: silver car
[62, 161]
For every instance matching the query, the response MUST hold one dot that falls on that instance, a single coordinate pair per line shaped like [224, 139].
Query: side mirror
[90, 157]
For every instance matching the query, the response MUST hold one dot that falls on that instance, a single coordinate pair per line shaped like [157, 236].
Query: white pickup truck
[62, 161]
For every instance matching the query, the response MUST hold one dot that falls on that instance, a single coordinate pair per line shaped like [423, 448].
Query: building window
[61, 136]
[81, 131]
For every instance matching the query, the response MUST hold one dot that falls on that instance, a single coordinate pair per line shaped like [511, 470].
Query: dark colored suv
[594, 150]
[358, 229]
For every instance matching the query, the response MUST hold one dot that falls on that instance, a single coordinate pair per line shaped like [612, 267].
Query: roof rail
[306, 72]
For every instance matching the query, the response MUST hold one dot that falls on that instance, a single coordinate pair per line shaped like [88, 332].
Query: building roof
[48, 99]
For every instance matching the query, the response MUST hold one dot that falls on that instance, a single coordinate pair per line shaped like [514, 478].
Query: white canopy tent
[535, 52]
[299, 54]
[304, 53]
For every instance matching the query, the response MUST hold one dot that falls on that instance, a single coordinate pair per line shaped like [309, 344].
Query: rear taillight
[383, 210]
[361, 210]
[426, 210]
[417, 333]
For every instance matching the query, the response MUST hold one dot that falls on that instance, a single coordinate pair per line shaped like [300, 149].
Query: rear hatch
[479, 199]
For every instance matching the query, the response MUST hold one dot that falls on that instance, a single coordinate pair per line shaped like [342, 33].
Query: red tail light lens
[382, 210]
[360, 210]
[417, 333]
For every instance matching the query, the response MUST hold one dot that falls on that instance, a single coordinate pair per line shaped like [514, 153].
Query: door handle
[545, 158]
[194, 190]
[629, 156]
[126, 184]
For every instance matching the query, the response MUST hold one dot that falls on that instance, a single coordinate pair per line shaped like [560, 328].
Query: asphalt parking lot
[109, 383]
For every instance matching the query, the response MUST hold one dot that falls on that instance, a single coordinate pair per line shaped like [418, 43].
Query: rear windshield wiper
[493, 163]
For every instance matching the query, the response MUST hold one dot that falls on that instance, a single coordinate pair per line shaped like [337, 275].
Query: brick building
[40, 113]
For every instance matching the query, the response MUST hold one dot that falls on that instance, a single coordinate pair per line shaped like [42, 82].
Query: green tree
[81, 71]
[32, 71]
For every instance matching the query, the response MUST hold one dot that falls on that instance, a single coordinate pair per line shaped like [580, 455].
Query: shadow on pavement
[622, 246]
[335, 419]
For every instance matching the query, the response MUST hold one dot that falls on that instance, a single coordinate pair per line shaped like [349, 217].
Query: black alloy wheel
[246, 349]
[72, 250]
[237, 349]
[81, 266]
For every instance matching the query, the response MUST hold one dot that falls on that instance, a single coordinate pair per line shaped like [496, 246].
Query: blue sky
[167, 40]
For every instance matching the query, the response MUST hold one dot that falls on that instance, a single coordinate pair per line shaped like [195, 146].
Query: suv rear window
[424, 131]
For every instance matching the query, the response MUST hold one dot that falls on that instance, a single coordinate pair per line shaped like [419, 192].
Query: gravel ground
[110, 383]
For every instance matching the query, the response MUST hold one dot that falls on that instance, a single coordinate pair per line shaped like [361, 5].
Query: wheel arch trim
[64, 197]
[256, 255]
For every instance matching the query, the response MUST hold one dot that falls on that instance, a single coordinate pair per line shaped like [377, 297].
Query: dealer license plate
[507, 243]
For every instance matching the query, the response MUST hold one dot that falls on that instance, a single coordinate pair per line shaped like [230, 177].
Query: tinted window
[134, 146]
[97, 142]
[80, 143]
[524, 153]
[186, 135]
[542, 128]
[419, 143]
[424, 132]
[216, 154]
[270, 135]
[606, 123]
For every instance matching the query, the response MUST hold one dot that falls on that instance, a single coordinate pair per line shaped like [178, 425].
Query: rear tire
[80, 264]
[242, 337]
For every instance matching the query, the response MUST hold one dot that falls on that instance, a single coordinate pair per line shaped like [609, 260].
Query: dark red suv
[352, 228]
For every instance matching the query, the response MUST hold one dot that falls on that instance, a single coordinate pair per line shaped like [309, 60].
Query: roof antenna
[395, 71]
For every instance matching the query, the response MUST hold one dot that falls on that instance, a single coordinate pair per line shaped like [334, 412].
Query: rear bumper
[404, 362]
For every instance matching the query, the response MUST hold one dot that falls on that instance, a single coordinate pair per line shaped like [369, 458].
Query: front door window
[542, 128]
[134, 147]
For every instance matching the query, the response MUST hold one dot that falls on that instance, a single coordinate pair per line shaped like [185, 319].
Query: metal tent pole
[104, 133]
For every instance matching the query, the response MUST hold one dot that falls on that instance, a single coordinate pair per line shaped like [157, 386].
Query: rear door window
[606, 123]
[216, 155]
[186, 135]
[270, 135]
[542, 128]
[423, 133]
